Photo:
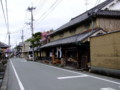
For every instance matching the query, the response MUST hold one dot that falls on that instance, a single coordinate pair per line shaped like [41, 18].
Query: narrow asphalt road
[27, 75]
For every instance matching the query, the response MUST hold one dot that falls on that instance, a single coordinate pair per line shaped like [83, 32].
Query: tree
[35, 41]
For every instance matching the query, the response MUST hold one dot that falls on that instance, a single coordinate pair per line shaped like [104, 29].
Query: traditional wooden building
[74, 49]
[71, 41]
[4, 50]
[3, 46]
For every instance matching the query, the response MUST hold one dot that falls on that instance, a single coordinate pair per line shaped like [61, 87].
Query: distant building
[18, 50]
[4, 46]
[26, 50]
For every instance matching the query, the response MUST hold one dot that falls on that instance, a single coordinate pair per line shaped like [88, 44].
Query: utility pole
[30, 9]
[22, 37]
[8, 37]
[23, 46]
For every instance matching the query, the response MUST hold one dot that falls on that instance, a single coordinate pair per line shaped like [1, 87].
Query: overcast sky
[53, 17]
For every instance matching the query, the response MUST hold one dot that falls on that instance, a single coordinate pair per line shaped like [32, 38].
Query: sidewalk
[5, 80]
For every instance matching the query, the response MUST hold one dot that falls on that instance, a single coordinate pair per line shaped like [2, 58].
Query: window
[61, 34]
[72, 30]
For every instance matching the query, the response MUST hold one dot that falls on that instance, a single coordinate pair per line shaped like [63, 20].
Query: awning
[72, 39]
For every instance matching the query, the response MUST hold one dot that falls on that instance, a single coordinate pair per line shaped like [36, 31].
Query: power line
[7, 15]
[6, 19]
[7, 22]
[25, 16]
[49, 10]
[39, 6]
[97, 2]
[51, 7]
[3, 13]
[38, 2]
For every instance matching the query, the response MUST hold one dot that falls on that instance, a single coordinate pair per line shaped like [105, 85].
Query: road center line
[68, 77]
[18, 79]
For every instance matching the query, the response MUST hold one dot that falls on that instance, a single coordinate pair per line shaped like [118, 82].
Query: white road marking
[68, 77]
[105, 80]
[110, 81]
[107, 88]
[23, 60]
[19, 82]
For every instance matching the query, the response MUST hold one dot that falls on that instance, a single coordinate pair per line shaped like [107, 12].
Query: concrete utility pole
[23, 45]
[31, 24]
[8, 37]
[22, 37]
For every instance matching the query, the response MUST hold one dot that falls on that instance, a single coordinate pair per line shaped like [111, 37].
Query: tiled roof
[117, 31]
[2, 45]
[73, 39]
[108, 13]
[83, 16]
